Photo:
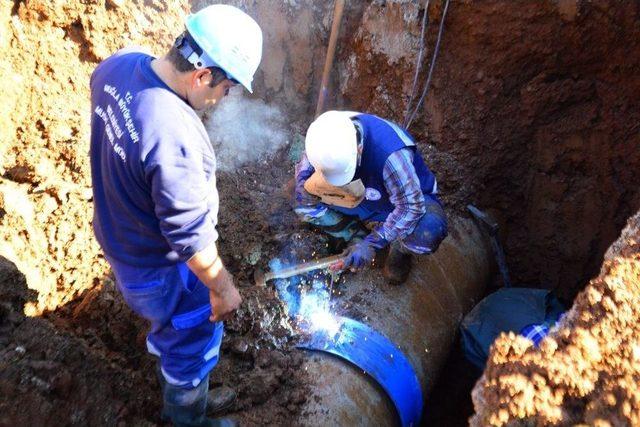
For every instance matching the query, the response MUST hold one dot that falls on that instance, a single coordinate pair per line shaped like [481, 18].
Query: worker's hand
[304, 198]
[359, 255]
[225, 299]
[223, 295]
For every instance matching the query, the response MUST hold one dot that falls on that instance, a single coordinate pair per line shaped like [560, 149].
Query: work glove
[359, 255]
[304, 198]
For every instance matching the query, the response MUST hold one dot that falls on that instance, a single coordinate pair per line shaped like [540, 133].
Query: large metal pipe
[420, 317]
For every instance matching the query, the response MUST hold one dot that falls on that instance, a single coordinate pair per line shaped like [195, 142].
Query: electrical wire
[431, 68]
[414, 87]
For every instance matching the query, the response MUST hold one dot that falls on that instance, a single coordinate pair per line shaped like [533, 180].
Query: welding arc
[431, 68]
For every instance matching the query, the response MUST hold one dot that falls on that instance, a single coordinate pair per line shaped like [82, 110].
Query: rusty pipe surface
[331, 51]
[421, 317]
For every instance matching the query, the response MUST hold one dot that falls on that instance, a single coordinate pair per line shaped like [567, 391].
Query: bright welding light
[324, 321]
[310, 304]
[315, 310]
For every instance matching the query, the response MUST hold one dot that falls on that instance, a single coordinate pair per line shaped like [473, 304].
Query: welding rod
[296, 269]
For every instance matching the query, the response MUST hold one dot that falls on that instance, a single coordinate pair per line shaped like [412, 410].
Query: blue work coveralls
[155, 206]
[381, 138]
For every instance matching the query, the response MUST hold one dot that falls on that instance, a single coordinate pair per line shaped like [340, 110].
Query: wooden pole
[331, 51]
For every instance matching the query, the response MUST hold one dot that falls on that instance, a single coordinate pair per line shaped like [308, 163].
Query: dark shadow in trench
[449, 404]
[81, 364]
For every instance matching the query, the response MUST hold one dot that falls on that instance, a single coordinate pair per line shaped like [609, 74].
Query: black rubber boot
[397, 266]
[219, 399]
[188, 407]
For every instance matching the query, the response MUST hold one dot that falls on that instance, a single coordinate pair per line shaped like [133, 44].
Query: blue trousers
[177, 305]
[346, 224]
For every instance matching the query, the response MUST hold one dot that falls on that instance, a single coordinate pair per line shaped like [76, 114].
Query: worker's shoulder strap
[379, 125]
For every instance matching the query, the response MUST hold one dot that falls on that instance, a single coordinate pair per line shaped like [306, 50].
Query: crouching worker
[155, 197]
[359, 169]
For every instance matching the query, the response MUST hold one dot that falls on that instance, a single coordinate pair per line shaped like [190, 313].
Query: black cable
[431, 68]
[414, 87]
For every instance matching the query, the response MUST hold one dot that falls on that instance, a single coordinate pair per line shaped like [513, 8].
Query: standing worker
[155, 197]
[361, 168]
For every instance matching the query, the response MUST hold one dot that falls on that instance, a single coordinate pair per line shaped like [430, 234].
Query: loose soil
[588, 370]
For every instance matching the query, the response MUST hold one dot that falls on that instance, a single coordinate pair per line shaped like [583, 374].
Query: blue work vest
[380, 139]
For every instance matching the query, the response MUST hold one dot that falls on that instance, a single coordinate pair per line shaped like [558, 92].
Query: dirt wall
[533, 108]
[49, 50]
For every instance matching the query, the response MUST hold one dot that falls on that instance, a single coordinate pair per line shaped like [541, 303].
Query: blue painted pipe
[379, 358]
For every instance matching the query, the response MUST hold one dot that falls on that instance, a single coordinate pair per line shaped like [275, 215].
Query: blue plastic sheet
[378, 357]
[530, 312]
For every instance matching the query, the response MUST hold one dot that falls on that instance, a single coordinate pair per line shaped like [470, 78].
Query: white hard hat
[332, 147]
[229, 39]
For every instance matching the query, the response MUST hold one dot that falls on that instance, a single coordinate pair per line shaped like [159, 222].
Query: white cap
[230, 39]
[332, 147]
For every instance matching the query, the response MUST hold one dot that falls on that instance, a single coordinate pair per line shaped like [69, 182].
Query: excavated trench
[532, 115]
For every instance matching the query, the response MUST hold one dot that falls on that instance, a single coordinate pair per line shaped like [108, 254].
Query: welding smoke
[244, 130]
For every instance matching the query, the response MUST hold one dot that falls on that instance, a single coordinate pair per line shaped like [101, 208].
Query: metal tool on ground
[262, 278]
[491, 226]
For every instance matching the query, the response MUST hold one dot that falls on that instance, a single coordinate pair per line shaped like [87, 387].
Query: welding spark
[315, 309]
[310, 302]
[323, 321]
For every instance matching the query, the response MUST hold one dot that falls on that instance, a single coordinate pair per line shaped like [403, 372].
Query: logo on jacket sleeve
[372, 194]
